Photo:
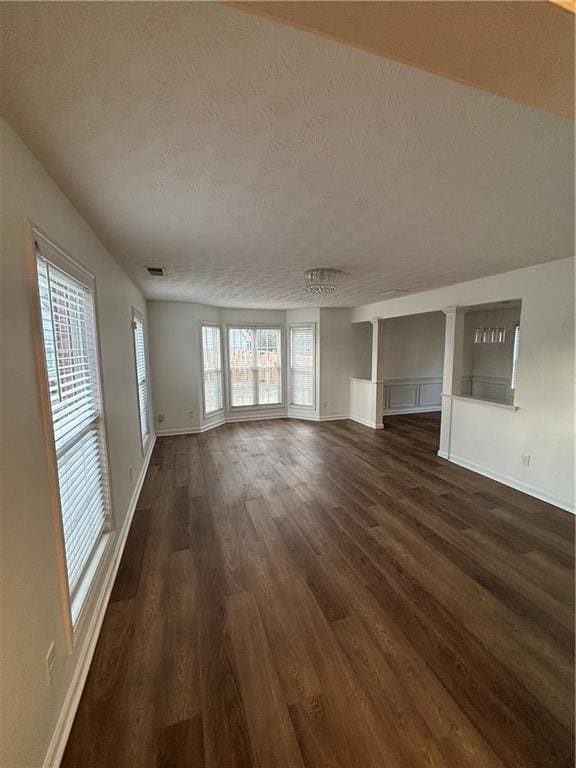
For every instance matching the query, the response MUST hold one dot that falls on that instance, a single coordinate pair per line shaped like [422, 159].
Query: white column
[377, 372]
[453, 355]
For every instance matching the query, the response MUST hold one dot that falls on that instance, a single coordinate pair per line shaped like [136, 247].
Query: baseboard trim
[371, 424]
[239, 418]
[189, 430]
[511, 482]
[412, 409]
[68, 712]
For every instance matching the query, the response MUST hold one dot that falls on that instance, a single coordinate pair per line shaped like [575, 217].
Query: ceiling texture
[237, 152]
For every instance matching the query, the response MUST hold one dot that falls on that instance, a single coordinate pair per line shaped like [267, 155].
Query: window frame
[74, 609]
[311, 325]
[144, 439]
[516, 341]
[264, 327]
[213, 414]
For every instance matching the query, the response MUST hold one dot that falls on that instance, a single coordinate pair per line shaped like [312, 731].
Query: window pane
[242, 366]
[269, 365]
[302, 373]
[212, 368]
[70, 349]
[141, 377]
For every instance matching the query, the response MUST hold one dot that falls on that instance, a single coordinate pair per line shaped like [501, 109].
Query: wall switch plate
[51, 662]
[525, 459]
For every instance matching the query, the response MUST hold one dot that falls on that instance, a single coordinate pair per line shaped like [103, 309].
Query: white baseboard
[413, 409]
[365, 423]
[235, 419]
[68, 712]
[444, 455]
[518, 485]
[189, 430]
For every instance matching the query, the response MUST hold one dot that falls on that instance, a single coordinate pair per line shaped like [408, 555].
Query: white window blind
[515, 353]
[255, 361]
[212, 369]
[141, 375]
[71, 356]
[302, 380]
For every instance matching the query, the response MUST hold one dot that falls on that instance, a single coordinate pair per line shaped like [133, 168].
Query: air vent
[156, 271]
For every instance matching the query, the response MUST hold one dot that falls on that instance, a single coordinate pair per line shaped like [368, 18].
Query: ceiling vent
[156, 271]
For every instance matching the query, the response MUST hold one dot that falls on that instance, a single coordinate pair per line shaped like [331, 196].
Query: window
[141, 375]
[515, 353]
[302, 368]
[212, 369]
[255, 361]
[70, 347]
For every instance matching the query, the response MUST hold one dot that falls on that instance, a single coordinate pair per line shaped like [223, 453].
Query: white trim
[85, 654]
[481, 401]
[413, 409]
[511, 482]
[371, 424]
[233, 419]
[294, 413]
[212, 324]
[290, 326]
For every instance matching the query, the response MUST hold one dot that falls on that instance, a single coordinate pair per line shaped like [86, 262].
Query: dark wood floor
[297, 594]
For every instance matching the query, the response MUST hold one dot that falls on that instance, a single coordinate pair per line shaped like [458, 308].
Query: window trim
[74, 611]
[312, 325]
[264, 406]
[516, 341]
[144, 439]
[220, 411]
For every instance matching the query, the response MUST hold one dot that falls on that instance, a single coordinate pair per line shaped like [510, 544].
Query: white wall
[31, 613]
[490, 438]
[411, 356]
[362, 350]
[337, 360]
[413, 347]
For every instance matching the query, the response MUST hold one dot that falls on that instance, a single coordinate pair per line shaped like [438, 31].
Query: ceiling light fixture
[320, 280]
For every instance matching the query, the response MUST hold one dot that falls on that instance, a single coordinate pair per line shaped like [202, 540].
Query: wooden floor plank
[300, 595]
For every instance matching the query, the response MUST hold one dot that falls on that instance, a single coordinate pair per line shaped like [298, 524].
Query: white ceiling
[237, 152]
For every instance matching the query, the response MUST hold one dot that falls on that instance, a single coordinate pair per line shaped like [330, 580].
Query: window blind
[71, 356]
[141, 376]
[255, 361]
[515, 353]
[212, 369]
[302, 380]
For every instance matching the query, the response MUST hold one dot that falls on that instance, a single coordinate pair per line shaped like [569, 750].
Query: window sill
[81, 600]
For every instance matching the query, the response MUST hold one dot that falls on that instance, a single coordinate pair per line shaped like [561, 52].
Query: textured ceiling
[237, 152]
[520, 50]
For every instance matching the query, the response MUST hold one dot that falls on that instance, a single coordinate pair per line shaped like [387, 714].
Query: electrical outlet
[324, 404]
[50, 662]
[525, 459]
[161, 417]
[130, 471]
[191, 414]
